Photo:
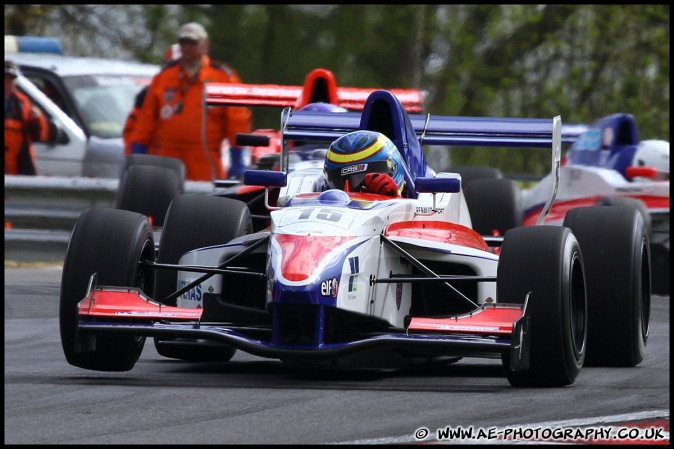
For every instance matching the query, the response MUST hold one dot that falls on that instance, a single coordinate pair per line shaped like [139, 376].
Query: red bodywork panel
[439, 231]
[560, 208]
[131, 303]
[300, 255]
[488, 320]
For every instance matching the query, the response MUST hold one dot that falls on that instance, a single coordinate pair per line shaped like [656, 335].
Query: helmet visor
[355, 174]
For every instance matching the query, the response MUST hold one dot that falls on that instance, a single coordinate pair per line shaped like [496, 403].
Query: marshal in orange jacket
[24, 124]
[171, 119]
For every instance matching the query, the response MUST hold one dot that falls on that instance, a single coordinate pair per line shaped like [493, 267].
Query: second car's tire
[110, 243]
[624, 201]
[173, 163]
[545, 262]
[615, 246]
[148, 190]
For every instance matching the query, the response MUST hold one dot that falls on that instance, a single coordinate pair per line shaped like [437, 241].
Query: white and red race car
[609, 165]
[349, 279]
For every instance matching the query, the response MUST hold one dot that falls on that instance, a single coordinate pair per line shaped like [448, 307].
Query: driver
[653, 153]
[306, 149]
[364, 161]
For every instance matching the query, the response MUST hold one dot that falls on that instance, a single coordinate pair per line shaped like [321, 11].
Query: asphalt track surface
[259, 401]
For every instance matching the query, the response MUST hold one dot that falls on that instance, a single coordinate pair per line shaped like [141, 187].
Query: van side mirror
[57, 135]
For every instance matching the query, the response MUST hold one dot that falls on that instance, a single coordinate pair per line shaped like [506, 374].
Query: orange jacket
[170, 121]
[24, 124]
[131, 119]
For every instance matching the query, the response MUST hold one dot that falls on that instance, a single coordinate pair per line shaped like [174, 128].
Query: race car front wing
[488, 331]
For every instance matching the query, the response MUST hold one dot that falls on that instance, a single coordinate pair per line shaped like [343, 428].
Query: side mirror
[57, 135]
[264, 178]
[252, 140]
[449, 183]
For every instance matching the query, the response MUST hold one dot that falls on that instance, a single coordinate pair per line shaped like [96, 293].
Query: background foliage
[578, 61]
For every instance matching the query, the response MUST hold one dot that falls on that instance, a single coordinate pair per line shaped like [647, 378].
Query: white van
[88, 99]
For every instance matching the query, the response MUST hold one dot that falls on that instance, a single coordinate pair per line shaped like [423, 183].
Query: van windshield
[104, 101]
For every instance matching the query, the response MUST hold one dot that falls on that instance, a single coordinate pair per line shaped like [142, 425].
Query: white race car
[608, 165]
[344, 278]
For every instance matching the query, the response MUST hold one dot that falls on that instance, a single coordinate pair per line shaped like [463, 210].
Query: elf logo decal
[329, 288]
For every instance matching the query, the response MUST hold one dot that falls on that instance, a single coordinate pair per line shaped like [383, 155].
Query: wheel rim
[578, 305]
[144, 279]
[645, 293]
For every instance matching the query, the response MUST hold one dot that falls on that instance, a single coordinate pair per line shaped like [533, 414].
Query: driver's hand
[381, 184]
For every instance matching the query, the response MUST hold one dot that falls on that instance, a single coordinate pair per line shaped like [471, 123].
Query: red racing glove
[381, 184]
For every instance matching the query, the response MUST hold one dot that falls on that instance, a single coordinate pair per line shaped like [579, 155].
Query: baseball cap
[192, 31]
[12, 69]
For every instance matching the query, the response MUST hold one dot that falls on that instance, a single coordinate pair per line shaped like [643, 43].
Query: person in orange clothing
[173, 121]
[24, 124]
[171, 54]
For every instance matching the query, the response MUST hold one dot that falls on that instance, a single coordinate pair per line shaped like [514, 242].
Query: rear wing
[435, 129]
[352, 98]
[439, 130]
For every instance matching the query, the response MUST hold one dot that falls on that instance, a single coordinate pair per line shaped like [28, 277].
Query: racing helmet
[358, 153]
[322, 107]
[653, 153]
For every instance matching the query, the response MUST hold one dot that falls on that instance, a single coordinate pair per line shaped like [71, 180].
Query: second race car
[608, 165]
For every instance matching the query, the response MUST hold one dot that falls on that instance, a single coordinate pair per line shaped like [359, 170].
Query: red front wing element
[491, 320]
[125, 302]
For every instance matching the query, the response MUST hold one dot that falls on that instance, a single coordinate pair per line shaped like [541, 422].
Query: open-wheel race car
[345, 278]
[608, 165]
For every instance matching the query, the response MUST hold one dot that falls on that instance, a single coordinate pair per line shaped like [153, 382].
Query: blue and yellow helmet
[358, 153]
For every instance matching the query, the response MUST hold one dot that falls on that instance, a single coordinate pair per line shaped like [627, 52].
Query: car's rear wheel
[195, 221]
[494, 205]
[660, 269]
[615, 246]
[110, 243]
[473, 172]
[545, 262]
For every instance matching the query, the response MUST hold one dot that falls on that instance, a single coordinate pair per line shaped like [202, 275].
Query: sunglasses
[187, 42]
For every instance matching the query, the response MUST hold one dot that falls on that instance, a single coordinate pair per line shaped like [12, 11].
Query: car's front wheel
[110, 243]
[545, 263]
